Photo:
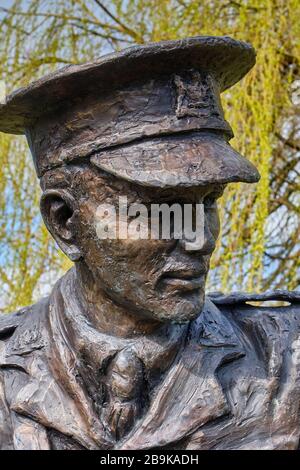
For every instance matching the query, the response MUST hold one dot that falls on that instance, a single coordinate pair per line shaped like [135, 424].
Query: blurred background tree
[259, 247]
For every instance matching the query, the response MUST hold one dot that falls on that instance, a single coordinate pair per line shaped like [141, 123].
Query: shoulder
[14, 325]
[6, 441]
[238, 298]
[274, 313]
[9, 322]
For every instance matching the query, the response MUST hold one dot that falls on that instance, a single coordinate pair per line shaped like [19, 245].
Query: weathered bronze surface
[127, 352]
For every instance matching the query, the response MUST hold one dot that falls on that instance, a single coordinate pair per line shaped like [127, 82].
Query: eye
[210, 201]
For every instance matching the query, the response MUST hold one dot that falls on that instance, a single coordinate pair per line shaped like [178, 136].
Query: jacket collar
[189, 395]
[44, 390]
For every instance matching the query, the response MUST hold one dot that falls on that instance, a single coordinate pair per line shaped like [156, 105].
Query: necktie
[124, 385]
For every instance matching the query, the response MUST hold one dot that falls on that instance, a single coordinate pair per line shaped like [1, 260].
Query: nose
[202, 243]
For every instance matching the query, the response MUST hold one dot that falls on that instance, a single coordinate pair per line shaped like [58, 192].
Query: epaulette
[10, 321]
[218, 298]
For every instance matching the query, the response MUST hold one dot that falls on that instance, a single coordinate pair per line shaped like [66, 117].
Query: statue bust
[127, 352]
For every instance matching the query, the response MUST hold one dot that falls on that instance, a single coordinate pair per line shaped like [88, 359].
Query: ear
[58, 211]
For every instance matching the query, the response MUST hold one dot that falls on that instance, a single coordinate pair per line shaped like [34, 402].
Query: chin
[180, 310]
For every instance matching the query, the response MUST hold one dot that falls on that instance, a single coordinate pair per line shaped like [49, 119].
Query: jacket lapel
[190, 394]
[35, 391]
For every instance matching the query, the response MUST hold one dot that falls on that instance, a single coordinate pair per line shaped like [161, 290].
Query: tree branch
[289, 143]
[101, 35]
[128, 30]
[61, 17]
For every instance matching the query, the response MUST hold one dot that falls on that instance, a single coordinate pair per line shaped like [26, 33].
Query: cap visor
[185, 160]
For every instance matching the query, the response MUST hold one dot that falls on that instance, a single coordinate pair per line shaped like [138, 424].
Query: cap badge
[195, 95]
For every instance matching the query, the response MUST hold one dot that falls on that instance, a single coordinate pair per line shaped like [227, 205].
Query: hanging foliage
[259, 245]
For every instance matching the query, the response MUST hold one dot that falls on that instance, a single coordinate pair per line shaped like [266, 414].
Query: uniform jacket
[234, 382]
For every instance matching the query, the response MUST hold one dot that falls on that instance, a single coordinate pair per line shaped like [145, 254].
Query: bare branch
[128, 30]
[61, 17]
[101, 35]
[288, 142]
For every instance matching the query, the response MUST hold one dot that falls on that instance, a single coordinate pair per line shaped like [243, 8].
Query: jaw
[160, 307]
[180, 308]
[137, 294]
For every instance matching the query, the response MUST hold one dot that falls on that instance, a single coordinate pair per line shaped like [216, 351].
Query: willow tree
[260, 225]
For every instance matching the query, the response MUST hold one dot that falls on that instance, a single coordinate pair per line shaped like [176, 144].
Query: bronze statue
[127, 352]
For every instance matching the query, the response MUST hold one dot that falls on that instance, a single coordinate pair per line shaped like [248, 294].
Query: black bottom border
[136, 459]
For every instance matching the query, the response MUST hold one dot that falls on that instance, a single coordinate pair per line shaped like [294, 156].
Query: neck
[106, 314]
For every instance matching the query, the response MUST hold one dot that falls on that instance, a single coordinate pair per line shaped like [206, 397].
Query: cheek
[128, 268]
[141, 256]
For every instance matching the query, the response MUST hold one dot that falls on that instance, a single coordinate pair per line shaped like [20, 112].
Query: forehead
[169, 194]
[109, 185]
[88, 180]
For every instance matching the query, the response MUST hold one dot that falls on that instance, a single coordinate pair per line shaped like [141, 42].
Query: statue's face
[158, 278]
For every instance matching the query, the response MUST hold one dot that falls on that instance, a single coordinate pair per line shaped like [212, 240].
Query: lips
[183, 279]
[184, 274]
